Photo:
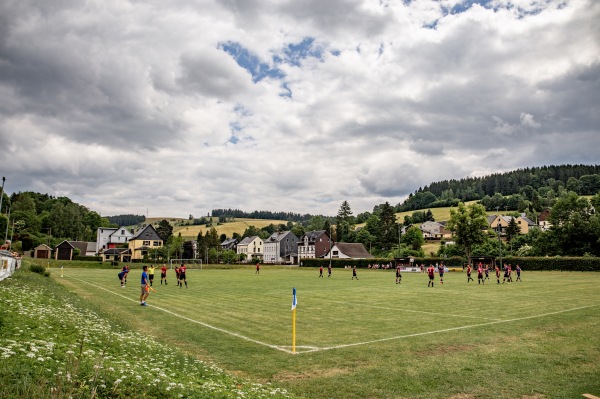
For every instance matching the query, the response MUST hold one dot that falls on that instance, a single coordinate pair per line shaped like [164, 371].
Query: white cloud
[130, 107]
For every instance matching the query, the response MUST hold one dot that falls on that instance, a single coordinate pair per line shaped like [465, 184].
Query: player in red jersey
[182, 279]
[441, 269]
[480, 278]
[163, 274]
[469, 278]
[498, 274]
[321, 272]
[329, 271]
[257, 268]
[431, 274]
[177, 272]
[398, 275]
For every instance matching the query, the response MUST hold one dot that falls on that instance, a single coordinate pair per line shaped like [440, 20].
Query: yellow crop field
[239, 225]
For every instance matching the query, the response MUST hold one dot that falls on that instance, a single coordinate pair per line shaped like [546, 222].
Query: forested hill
[236, 213]
[582, 179]
[126, 220]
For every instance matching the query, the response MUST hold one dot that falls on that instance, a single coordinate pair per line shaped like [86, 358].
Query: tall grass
[55, 345]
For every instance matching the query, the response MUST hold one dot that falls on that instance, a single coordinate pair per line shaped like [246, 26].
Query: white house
[110, 237]
[251, 247]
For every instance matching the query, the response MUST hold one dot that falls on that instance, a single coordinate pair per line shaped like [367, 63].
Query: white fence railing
[8, 264]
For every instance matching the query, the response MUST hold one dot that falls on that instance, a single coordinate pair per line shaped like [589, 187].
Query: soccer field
[373, 338]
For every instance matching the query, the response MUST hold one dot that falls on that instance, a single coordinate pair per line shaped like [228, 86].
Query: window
[146, 243]
[156, 244]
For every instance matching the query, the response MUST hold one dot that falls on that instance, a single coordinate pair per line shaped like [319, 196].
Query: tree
[512, 230]
[388, 228]
[413, 238]
[575, 228]
[468, 223]
[164, 230]
[344, 222]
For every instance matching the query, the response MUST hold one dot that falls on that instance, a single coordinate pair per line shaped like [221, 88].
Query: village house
[144, 242]
[314, 244]
[252, 247]
[348, 250]
[281, 247]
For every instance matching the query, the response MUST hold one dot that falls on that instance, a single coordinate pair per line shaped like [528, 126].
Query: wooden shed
[64, 251]
[42, 251]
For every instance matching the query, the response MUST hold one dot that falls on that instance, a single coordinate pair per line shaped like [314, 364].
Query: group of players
[483, 273]
[180, 273]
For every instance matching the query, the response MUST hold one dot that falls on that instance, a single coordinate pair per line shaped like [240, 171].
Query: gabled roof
[83, 246]
[42, 246]
[64, 244]
[127, 232]
[147, 233]
[279, 236]
[229, 242]
[313, 236]
[354, 250]
[246, 241]
[527, 220]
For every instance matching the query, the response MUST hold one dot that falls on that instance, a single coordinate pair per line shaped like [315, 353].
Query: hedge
[578, 264]
[526, 263]
[88, 258]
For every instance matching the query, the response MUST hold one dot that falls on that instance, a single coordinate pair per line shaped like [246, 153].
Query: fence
[8, 264]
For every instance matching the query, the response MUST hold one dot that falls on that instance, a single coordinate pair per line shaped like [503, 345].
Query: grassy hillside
[237, 226]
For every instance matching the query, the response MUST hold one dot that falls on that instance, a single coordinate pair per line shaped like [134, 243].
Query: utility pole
[330, 245]
[499, 240]
[2, 193]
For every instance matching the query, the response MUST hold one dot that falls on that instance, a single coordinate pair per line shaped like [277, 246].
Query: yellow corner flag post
[294, 302]
[62, 274]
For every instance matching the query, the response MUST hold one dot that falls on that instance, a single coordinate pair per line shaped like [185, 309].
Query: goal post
[189, 263]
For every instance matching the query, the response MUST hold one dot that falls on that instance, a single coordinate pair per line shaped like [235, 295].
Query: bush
[39, 269]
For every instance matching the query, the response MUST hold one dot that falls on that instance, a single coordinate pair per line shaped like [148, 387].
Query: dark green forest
[535, 185]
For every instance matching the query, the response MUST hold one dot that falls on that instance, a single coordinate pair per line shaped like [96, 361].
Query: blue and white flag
[294, 301]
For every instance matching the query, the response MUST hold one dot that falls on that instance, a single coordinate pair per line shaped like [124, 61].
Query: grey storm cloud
[135, 107]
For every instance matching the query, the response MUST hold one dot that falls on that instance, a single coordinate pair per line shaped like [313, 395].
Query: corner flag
[294, 301]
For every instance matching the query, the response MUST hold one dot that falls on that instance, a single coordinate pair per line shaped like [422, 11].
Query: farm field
[237, 226]
[372, 338]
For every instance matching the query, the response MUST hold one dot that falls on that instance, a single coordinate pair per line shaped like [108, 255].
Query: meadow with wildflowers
[52, 345]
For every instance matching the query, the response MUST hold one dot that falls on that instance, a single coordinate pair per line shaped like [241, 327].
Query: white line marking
[414, 311]
[449, 329]
[192, 320]
[310, 349]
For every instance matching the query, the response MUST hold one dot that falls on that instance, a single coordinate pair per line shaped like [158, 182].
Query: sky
[175, 108]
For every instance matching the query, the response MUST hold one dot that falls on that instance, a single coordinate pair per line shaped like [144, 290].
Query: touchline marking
[449, 329]
[415, 311]
[310, 349]
[194, 321]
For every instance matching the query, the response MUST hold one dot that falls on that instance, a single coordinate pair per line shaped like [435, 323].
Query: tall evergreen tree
[344, 222]
[164, 230]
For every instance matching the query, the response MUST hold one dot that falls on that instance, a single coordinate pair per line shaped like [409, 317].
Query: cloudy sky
[171, 108]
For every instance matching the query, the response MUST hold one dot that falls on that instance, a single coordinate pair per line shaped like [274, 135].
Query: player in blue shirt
[145, 287]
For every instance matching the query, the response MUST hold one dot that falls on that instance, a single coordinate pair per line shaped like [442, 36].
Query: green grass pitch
[372, 338]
